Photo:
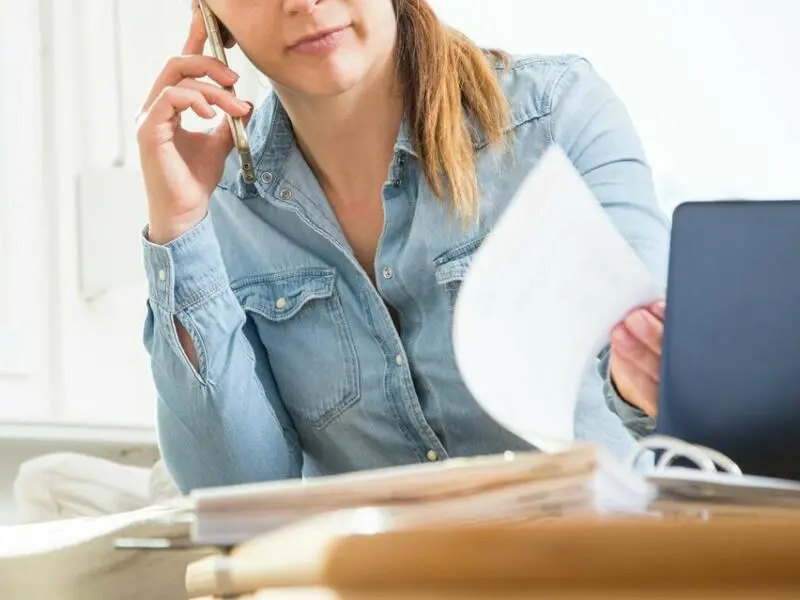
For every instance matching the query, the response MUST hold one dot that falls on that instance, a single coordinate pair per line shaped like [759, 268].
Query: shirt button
[280, 303]
[399, 360]
[432, 456]
[286, 194]
[162, 275]
[388, 273]
[267, 177]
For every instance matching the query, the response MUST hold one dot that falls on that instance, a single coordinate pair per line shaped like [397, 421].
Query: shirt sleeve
[592, 125]
[222, 423]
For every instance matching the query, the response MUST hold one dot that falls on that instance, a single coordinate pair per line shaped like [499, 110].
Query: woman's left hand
[636, 357]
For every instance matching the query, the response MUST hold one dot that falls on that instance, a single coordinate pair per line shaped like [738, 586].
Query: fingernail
[660, 308]
[636, 323]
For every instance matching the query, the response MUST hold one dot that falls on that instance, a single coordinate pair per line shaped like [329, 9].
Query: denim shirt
[302, 370]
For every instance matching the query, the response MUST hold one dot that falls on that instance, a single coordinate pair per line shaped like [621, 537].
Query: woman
[300, 324]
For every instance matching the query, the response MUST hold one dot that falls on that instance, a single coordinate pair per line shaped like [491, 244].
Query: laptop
[730, 373]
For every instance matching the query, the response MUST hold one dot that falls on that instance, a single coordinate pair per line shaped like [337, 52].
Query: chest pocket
[301, 323]
[451, 268]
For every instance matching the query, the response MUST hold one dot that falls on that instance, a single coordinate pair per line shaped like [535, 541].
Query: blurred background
[712, 85]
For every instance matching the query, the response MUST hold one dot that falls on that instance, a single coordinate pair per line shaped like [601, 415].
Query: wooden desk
[559, 560]
[523, 594]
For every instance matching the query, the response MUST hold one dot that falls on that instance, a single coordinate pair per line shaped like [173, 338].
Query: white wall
[712, 86]
[76, 354]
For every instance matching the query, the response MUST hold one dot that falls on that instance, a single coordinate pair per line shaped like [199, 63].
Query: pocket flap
[281, 296]
[454, 264]
[455, 270]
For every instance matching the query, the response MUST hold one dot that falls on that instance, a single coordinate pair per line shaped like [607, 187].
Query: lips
[320, 41]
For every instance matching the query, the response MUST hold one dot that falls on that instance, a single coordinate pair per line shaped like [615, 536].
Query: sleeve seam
[553, 93]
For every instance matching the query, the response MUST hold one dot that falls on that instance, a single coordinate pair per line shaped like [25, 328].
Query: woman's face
[313, 47]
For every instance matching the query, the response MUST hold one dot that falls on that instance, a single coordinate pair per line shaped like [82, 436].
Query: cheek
[262, 48]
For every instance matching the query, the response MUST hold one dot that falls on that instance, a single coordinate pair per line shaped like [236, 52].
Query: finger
[634, 351]
[175, 100]
[196, 40]
[218, 96]
[643, 390]
[647, 328]
[190, 67]
[249, 115]
[659, 309]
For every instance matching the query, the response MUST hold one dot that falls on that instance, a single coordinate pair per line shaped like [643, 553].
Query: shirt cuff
[187, 270]
[634, 419]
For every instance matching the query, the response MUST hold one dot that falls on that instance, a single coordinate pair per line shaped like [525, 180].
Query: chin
[326, 80]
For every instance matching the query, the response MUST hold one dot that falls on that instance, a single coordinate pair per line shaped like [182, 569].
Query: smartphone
[237, 126]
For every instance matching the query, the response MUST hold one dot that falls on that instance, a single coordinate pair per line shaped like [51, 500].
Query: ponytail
[448, 80]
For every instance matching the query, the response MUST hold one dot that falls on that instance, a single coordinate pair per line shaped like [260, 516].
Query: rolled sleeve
[634, 419]
[187, 270]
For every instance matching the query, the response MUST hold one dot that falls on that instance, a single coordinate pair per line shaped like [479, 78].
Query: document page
[541, 297]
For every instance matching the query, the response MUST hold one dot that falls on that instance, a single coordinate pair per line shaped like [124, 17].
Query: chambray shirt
[302, 370]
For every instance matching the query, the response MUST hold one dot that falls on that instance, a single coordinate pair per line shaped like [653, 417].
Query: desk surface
[630, 558]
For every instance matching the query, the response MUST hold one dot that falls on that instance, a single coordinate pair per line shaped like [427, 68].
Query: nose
[296, 7]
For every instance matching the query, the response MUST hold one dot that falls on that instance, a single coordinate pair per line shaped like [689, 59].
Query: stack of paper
[583, 480]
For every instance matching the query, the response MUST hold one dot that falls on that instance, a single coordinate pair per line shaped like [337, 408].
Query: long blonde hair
[448, 80]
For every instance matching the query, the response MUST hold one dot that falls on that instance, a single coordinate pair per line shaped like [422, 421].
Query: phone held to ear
[236, 124]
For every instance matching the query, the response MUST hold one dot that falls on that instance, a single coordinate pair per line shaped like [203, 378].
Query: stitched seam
[352, 376]
[316, 273]
[459, 251]
[192, 299]
[552, 90]
[528, 61]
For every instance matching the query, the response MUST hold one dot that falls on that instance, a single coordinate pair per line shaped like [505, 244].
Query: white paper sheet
[541, 297]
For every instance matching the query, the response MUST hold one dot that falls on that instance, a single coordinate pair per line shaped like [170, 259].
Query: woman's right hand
[180, 167]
